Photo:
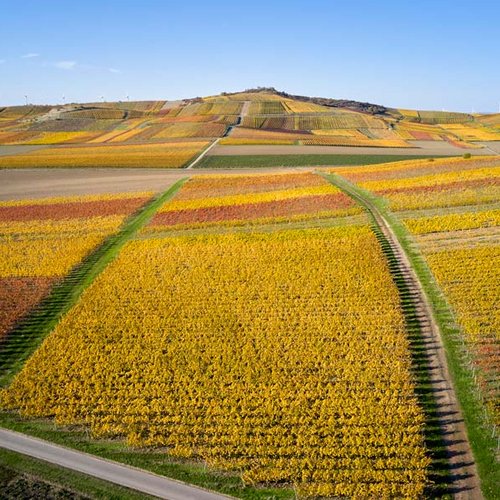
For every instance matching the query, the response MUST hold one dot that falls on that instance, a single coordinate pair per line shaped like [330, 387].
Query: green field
[255, 161]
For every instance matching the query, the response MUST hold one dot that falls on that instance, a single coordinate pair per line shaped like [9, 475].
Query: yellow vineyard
[282, 356]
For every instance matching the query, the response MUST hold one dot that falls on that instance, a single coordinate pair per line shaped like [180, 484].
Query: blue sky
[426, 54]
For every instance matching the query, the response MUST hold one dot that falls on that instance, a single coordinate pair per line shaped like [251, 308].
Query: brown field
[21, 184]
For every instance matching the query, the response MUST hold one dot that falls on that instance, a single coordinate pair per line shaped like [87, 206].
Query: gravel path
[464, 480]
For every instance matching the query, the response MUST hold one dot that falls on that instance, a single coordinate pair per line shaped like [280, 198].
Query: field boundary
[156, 461]
[22, 341]
[446, 427]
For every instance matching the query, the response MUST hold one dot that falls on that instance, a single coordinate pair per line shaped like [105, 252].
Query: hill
[172, 133]
[270, 116]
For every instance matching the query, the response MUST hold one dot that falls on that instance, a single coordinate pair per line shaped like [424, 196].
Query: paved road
[197, 160]
[130, 477]
[464, 479]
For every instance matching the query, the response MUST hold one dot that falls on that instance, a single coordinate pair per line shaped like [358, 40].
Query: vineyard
[42, 240]
[232, 117]
[434, 117]
[266, 108]
[292, 106]
[332, 140]
[178, 130]
[451, 207]
[319, 122]
[167, 155]
[468, 132]
[279, 354]
[237, 201]
[266, 327]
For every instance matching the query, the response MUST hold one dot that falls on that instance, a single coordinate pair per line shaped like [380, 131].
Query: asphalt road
[130, 477]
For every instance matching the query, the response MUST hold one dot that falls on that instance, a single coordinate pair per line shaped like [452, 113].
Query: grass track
[29, 333]
[312, 160]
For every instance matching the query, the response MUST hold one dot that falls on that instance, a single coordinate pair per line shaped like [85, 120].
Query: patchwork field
[240, 200]
[273, 356]
[42, 240]
[171, 155]
[251, 118]
[262, 333]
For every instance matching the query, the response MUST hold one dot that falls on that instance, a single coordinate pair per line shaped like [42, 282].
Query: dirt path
[243, 113]
[493, 147]
[17, 150]
[464, 480]
[245, 109]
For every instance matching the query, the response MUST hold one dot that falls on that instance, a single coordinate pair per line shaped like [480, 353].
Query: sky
[417, 54]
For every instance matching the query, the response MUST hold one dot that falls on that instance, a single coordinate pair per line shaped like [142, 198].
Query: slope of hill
[261, 116]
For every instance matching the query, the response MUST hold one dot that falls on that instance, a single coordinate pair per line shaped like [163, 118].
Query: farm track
[244, 112]
[463, 479]
[28, 334]
[202, 155]
[114, 472]
[245, 109]
[19, 150]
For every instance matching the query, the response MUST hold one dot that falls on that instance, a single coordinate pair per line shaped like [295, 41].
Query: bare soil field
[431, 148]
[16, 150]
[40, 183]
[493, 146]
[33, 183]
